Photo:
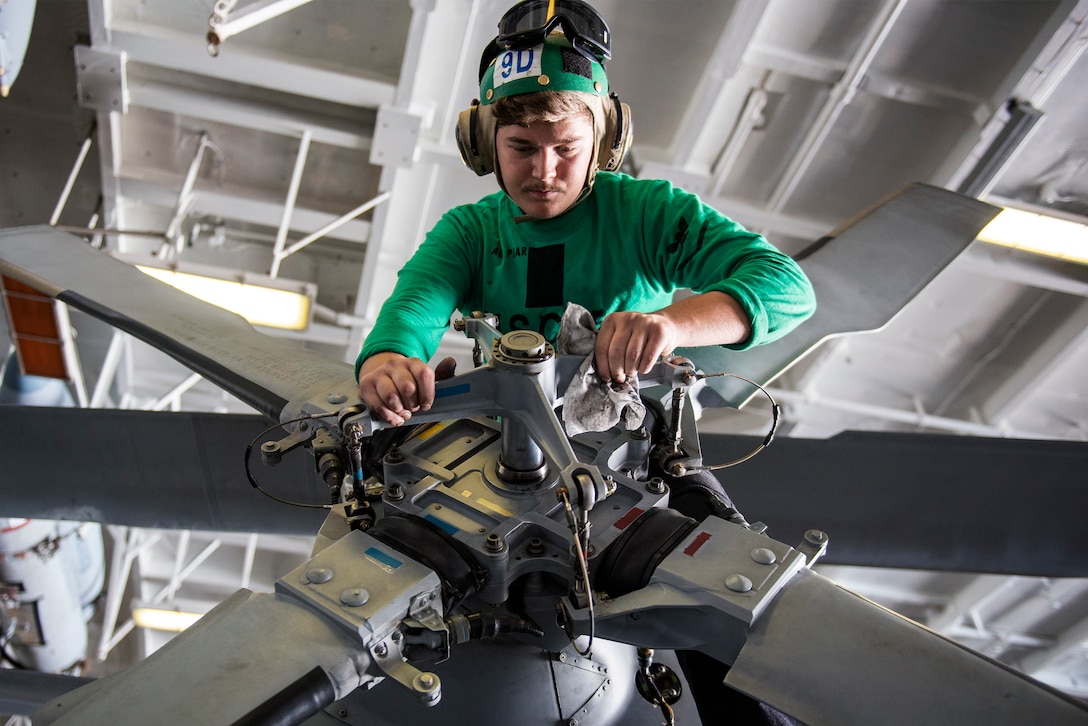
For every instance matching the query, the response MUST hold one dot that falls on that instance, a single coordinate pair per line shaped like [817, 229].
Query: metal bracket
[102, 79]
[389, 657]
[396, 137]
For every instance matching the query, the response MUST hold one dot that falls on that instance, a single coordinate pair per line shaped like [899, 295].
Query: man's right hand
[394, 386]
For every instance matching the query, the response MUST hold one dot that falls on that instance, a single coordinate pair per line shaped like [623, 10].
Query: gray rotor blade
[863, 273]
[265, 372]
[919, 501]
[23, 691]
[829, 657]
[151, 469]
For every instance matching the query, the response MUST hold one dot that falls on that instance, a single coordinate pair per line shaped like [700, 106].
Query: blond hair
[540, 107]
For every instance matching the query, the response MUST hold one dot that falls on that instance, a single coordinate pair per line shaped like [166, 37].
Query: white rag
[589, 403]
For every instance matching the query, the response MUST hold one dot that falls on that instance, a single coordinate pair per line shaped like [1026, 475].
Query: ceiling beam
[1070, 642]
[1025, 268]
[244, 209]
[234, 111]
[171, 49]
[720, 67]
[977, 592]
[1056, 332]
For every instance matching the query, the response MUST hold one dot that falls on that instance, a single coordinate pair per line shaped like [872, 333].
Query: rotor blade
[265, 372]
[828, 656]
[920, 501]
[150, 469]
[863, 274]
[23, 691]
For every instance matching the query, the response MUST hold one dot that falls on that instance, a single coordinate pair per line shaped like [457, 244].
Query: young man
[561, 232]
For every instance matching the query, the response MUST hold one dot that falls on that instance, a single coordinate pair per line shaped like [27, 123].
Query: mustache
[542, 188]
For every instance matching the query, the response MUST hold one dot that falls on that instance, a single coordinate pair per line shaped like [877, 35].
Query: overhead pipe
[250, 556]
[185, 200]
[751, 117]
[130, 542]
[1002, 138]
[181, 551]
[289, 205]
[173, 396]
[108, 372]
[76, 168]
[68, 348]
[1021, 119]
[169, 589]
[222, 26]
[328, 315]
[331, 226]
[917, 418]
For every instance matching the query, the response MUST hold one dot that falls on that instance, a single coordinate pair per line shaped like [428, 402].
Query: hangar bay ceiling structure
[317, 146]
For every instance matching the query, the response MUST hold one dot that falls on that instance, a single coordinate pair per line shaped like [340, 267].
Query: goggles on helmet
[529, 22]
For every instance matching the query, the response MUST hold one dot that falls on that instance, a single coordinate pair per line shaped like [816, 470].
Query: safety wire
[644, 680]
[776, 412]
[584, 568]
[253, 481]
[666, 709]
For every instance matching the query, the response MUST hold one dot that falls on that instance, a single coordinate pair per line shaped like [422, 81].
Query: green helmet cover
[552, 66]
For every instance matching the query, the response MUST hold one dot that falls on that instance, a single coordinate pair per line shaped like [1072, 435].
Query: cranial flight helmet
[530, 54]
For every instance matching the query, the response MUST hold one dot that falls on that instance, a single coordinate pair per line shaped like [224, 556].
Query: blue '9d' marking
[516, 61]
[452, 390]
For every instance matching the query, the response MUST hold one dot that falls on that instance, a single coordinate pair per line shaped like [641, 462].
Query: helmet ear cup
[475, 135]
[616, 139]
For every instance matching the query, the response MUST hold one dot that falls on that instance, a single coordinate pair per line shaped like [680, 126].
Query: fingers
[631, 343]
[394, 386]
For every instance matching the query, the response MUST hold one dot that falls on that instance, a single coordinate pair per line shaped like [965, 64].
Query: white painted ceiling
[790, 116]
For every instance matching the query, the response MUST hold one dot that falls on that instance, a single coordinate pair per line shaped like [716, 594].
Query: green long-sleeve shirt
[628, 246]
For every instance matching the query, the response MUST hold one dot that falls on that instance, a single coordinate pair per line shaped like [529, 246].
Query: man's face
[544, 165]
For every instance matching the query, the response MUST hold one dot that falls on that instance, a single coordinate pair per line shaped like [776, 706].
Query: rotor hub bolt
[738, 583]
[319, 575]
[815, 536]
[394, 492]
[763, 556]
[354, 596]
[536, 547]
[495, 543]
[656, 485]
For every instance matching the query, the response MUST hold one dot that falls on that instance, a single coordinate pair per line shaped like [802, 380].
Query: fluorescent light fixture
[272, 302]
[171, 621]
[1038, 233]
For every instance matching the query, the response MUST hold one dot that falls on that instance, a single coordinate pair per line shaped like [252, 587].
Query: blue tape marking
[449, 528]
[453, 391]
[377, 554]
